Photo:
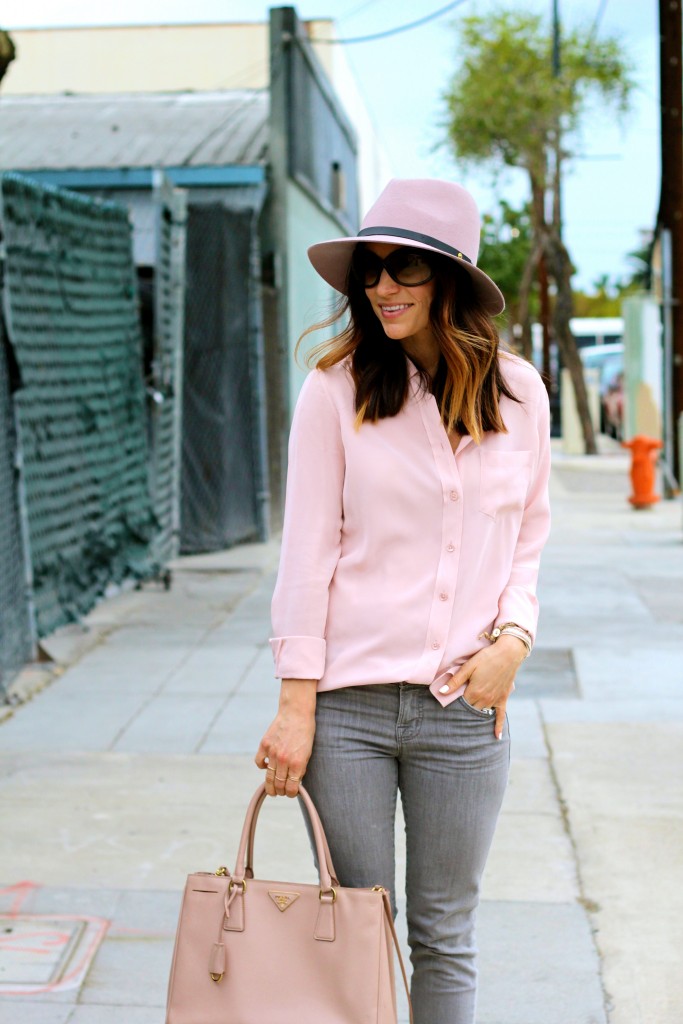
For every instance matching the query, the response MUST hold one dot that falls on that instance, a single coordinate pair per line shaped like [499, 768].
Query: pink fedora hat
[424, 213]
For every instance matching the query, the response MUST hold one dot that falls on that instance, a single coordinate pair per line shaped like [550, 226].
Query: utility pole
[542, 265]
[670, 217]
[557, 170]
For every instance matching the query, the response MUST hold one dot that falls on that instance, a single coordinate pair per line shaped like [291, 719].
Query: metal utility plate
[39, 953]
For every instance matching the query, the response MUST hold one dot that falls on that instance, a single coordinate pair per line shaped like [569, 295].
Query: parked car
[612, 408]
[608, 359]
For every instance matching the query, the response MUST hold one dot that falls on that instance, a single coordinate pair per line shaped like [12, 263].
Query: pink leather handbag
[249, 951]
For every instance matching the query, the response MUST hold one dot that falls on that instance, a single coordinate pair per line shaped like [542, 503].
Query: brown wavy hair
[468, 382]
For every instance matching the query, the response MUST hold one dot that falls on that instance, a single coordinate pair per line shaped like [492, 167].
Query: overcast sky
[612, 190]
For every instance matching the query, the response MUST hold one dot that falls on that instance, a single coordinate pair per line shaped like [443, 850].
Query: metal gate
[165, 387]
[225, 497]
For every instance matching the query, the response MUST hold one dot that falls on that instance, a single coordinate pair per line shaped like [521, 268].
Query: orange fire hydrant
[643, 461]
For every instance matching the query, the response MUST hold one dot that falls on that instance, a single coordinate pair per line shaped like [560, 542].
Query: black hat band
[435, 243]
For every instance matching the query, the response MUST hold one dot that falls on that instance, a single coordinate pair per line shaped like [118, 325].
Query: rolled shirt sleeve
[311, 534]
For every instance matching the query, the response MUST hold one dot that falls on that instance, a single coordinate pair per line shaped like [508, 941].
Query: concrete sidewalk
[134, 767]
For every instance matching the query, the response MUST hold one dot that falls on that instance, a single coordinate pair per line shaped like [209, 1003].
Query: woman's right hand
[286, 747]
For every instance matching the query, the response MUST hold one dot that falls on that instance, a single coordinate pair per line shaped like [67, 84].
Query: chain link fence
[15, 627]
[72, 319]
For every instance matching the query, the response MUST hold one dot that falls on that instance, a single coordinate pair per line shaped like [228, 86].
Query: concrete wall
[643, 380]
[572, 434]
[157, 58]
[374, 170]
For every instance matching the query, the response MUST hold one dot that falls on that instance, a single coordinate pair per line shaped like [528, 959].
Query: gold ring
[293, 778]
[278, 779]
[269, 768]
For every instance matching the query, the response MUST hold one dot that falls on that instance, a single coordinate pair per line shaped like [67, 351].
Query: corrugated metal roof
[137, 130]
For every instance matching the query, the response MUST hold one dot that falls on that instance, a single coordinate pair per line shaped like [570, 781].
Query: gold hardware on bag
[217, 962]
[326, 893]
[283, 900]
[242, 883]
[378, 888]
[221, 872]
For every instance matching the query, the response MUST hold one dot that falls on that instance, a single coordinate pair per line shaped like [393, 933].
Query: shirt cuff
[299, 657]
[445, 699]
[520, 609]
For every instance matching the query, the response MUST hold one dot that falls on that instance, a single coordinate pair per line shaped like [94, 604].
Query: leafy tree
[7, 52]
[604, 301]
[506, 109]
[504, 252]
[608, 295]
[641, 263]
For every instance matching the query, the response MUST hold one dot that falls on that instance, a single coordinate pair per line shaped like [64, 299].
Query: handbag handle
[326, 872]
[249, 863]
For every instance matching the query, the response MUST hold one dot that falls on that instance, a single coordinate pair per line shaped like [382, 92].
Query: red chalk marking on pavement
[47, 941]
[20, 891]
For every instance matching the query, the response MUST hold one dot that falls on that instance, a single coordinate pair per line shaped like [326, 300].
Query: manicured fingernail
[444, 689]
[499, 735]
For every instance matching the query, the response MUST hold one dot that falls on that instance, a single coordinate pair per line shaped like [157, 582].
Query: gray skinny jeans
[372, 742]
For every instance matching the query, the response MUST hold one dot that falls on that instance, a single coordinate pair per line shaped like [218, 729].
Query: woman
[415, 515]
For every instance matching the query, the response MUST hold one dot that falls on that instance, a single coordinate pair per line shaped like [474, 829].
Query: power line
[356, 10]
[393, 31]
[598, 18]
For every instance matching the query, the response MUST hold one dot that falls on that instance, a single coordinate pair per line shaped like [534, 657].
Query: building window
[338, 189]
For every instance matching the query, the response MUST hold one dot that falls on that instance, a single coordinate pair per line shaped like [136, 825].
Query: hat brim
[332, 261]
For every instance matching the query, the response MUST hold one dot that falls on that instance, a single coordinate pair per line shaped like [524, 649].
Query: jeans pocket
[479, 712]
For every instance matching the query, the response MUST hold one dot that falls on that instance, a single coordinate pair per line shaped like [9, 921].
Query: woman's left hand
[489, 677]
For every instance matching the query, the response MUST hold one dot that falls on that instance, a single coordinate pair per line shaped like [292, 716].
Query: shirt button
[454, 495]
[443, 597]
[436, 645]
[450, 548]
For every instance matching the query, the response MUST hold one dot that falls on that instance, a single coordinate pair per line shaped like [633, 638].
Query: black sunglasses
[408, 267]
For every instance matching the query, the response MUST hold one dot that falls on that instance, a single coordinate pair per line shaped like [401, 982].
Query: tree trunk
[561, 270]
[560, 267]
[524, 292]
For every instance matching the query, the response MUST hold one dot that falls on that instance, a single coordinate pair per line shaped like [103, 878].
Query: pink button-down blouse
[396, 552]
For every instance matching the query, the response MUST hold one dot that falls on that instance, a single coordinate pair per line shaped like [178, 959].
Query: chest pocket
[504, 481]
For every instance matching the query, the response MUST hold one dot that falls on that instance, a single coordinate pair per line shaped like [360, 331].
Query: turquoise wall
[309, 298]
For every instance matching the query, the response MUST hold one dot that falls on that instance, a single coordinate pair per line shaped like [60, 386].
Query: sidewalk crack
[589, 905]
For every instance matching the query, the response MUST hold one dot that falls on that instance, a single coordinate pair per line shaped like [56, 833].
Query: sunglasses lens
[409, 268]
[404, 266]
[366, 267]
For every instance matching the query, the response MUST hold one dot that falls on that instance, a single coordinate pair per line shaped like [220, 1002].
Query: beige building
[185, 58]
